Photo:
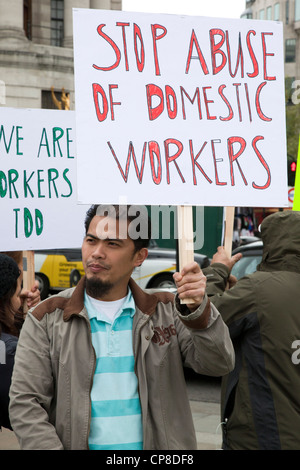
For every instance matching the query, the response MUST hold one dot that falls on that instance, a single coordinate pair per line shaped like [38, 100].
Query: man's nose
[99, 250]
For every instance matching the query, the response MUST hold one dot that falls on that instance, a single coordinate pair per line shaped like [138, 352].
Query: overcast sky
[217, 8]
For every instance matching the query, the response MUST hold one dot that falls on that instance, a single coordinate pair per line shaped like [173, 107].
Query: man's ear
[141, 255]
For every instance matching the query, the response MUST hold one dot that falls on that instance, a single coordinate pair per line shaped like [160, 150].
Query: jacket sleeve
[204, 339]
[233, 304]
[31, 390]
[217, 275]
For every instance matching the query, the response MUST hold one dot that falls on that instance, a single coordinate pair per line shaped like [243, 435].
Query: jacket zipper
[136, 349]
[91, 382]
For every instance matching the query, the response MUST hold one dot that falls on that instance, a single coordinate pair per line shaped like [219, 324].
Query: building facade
[288, 12]
[36, 51]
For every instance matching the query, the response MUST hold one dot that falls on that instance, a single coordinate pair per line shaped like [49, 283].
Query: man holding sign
[100, 366]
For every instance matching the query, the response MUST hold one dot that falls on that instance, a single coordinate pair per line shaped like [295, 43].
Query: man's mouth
[97, 268]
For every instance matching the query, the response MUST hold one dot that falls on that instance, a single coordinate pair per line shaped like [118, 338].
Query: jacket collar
[146, 302]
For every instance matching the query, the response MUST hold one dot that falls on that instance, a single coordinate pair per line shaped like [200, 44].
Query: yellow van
[57, 269]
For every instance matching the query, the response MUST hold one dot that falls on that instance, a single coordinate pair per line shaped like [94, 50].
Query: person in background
[100, 365]
[12, 298]
[260, 400]
[28, 297]
[10, 303]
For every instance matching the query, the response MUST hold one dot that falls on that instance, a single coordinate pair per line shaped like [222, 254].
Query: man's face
[108, 259]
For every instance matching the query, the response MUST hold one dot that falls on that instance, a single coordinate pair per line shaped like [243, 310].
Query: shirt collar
[127, 307]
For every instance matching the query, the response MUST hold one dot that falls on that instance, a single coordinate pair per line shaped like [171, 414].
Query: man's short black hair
[142, 233]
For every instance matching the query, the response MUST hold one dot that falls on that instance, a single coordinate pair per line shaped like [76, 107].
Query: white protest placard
[179, 110]
[38, 200]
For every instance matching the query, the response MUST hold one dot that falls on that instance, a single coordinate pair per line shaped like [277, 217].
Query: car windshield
[246, 265]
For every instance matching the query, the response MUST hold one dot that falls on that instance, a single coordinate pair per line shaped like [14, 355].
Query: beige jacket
[50, 402]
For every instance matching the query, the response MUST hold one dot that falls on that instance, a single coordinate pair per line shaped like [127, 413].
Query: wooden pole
[28, 273]
[228, 233]
[185, 238]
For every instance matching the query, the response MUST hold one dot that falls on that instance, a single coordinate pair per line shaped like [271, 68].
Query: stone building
[36, 51]
[287, 12]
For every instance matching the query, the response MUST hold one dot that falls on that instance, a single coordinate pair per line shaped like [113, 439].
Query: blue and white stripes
[116, 421]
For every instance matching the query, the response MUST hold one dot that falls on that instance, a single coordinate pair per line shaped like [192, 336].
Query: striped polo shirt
[116, 419]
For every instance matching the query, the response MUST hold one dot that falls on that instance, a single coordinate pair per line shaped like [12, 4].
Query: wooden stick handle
[229, 222]
[28, 273]
[185, 239]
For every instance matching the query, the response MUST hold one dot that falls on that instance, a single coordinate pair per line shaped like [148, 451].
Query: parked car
[62, 268]
[245, 239]
[252, 254]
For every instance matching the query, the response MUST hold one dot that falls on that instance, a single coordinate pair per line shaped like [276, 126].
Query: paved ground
[204, 394]
[206, 420]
